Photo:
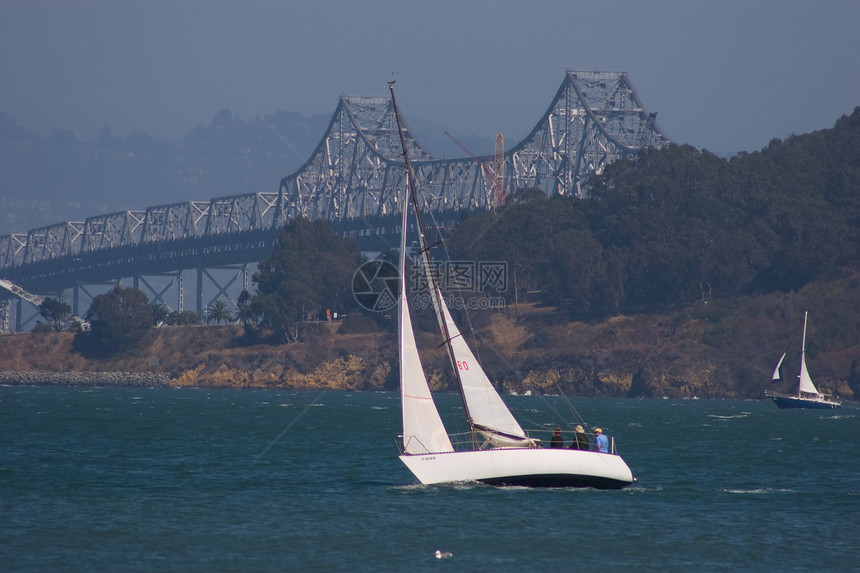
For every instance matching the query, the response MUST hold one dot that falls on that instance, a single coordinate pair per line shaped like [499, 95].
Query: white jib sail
[806, 384]
[486, 407]
[776, 375]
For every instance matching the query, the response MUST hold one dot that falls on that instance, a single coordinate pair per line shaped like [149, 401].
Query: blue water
[232, 480]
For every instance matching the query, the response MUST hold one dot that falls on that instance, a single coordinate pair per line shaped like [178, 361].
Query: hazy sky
[727, 75]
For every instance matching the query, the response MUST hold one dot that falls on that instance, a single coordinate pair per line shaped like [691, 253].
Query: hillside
[718, 350]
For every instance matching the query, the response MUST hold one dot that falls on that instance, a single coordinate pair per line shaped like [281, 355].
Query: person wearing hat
[601, 442]
[557, 441]
[580, 440]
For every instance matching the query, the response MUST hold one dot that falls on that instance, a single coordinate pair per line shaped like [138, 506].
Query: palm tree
[160, 312]
[245, 314]
[218, 312]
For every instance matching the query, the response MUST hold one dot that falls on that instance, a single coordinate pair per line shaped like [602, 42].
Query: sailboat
[497, 450]
[807, 395]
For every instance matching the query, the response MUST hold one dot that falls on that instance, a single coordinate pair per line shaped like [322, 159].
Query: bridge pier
[200, 293]
[241, 271]
[180, 303]
[152, 292]
[5, 309]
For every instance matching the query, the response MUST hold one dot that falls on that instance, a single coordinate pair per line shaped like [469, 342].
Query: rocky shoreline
[118, 379]
[671, 355]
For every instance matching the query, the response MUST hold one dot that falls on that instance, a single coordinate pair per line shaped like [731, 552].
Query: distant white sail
[807, 395]
[776, 375]
[806, 384]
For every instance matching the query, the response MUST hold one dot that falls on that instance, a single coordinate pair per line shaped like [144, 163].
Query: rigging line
[444, 243]
[433, 245]
[282, 137]
[569, 403]
[290, 425]
[449, 340]
[456, 289]
[545, 427]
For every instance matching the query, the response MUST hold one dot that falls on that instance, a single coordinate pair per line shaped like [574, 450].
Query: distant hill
[48, 179]
[55, 178]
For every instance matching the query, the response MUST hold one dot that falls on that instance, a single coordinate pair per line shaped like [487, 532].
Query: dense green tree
[309, 271]
[119, 319]
[182, 318]
[57, 313]
[41, 328]
[679, 225]
[244, 310]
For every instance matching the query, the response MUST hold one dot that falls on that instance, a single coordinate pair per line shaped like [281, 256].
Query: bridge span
[353, 180]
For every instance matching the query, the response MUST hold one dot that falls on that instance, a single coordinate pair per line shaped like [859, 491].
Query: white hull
[533, 467]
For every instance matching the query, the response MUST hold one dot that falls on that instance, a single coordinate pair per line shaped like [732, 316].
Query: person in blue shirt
[601, 442]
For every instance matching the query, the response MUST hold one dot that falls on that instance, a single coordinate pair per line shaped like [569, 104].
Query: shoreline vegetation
[710, 351]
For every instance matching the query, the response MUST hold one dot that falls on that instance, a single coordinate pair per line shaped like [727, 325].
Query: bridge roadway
[353, 179]
[52, 275]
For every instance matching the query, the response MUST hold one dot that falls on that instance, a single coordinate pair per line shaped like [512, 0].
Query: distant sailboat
[498, 451]
[807, 395]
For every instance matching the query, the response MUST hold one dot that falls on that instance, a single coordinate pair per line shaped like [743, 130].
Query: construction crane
[499, 171]
[496, 176]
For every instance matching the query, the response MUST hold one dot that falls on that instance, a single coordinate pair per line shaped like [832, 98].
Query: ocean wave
[757, 491]
[741, 415]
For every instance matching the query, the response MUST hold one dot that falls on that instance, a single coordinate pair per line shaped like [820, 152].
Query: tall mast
[803, 345]
[435, 293]
[800, 380]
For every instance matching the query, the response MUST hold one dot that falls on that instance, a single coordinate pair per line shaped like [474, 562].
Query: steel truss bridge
[353, 180]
